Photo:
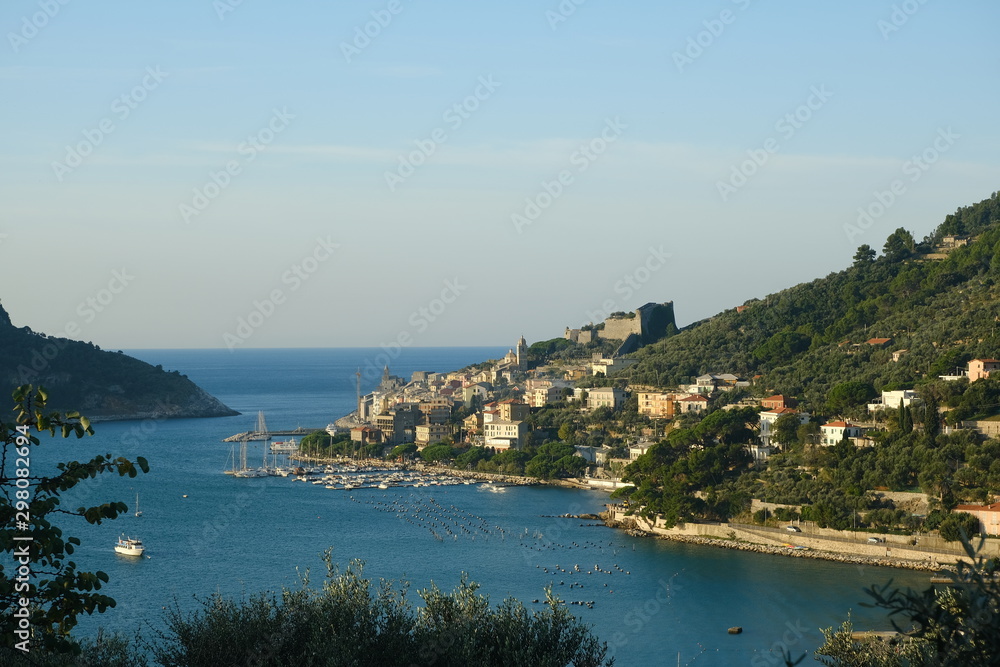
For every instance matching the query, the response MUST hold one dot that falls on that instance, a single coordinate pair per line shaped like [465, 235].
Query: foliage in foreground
[349, 621]
[957, 625]
[43, 573]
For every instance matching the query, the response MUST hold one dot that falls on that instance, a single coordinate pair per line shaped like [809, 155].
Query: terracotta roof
[781, 411]
[695, 398]
[995, 507]
[878, 341]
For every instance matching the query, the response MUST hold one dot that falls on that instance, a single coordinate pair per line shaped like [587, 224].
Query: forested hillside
[941, 308]
[101, 385]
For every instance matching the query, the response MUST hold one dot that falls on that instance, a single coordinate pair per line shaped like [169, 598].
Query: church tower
[522, 354]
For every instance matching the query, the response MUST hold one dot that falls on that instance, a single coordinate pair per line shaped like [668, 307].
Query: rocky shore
[742, 545]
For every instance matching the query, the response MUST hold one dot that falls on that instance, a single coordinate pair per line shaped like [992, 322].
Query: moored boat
[129, 546]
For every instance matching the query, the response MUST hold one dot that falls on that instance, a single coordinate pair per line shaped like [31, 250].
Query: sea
[654, 602]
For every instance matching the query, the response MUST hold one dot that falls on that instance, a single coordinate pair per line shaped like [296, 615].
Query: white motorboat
[129, 546]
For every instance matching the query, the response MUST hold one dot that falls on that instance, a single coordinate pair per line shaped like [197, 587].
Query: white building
[608, 366]
[768, 417]
[696, 403]
[834, 432]
[638, 449]
[601, 397]
[504, 435]
[892, 399]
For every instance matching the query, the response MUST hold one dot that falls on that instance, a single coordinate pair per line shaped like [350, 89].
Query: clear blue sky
[162, 95]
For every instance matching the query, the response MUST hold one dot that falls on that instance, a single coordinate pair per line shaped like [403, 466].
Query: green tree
[864, 256]
[29, 504]
[437, 452]
[566, 432]
[959, 625]
[899, 245]
[350, 620]
[954, 525]
[847, 395]
[782, 346]
[785, 429]
[932, 418]
[406, 450]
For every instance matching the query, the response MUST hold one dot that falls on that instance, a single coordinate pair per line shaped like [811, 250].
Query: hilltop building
[648, 323]
[768, 417]
[892, 399]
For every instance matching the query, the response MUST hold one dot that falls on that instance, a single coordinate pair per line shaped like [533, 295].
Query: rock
[735, 630]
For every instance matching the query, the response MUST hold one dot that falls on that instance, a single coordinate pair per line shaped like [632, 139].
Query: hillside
[940, 307]
[101, 385]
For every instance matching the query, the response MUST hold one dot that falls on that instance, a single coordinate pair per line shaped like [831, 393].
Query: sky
[242, 173]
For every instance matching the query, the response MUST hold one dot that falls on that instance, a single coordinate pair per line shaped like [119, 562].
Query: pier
[251, 436]
[261, 432]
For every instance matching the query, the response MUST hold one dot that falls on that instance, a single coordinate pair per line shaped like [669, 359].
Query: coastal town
[495, 417]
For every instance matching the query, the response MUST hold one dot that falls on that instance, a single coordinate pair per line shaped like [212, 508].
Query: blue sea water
[655, 602]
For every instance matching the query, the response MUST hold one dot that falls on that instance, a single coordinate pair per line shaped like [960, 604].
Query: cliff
[102, 385]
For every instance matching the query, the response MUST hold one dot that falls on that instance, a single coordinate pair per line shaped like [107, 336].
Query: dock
[262, 432]
[251, 436]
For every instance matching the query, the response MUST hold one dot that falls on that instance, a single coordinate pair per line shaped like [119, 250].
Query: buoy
[735, 630]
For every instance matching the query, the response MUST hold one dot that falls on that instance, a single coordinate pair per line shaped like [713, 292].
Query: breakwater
[727, 536]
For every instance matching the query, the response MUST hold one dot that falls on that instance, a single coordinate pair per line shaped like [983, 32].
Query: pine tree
[932, 420]
[907, 420]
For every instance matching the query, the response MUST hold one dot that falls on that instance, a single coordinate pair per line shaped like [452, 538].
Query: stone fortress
[648, 323]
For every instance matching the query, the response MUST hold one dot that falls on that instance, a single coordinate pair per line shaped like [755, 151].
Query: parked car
[875, 540]
[793, 529]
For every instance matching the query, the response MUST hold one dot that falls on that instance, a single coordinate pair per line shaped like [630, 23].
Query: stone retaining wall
[760, 541]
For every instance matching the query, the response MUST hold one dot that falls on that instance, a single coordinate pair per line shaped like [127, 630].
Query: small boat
[138, 512]
[129, 546]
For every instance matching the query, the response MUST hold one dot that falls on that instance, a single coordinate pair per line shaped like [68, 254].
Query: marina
[214, 532]
[349, 476]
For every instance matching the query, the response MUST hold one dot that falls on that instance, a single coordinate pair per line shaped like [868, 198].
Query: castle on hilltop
[647, 323]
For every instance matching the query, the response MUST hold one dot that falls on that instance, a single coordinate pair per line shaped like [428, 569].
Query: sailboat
[138, 512]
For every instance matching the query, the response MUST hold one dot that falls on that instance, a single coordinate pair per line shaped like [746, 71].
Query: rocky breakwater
[630, 527]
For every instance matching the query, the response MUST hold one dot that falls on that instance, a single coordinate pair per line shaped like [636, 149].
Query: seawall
[819, 543]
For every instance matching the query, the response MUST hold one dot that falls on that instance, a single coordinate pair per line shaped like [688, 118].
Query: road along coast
[795, 545]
